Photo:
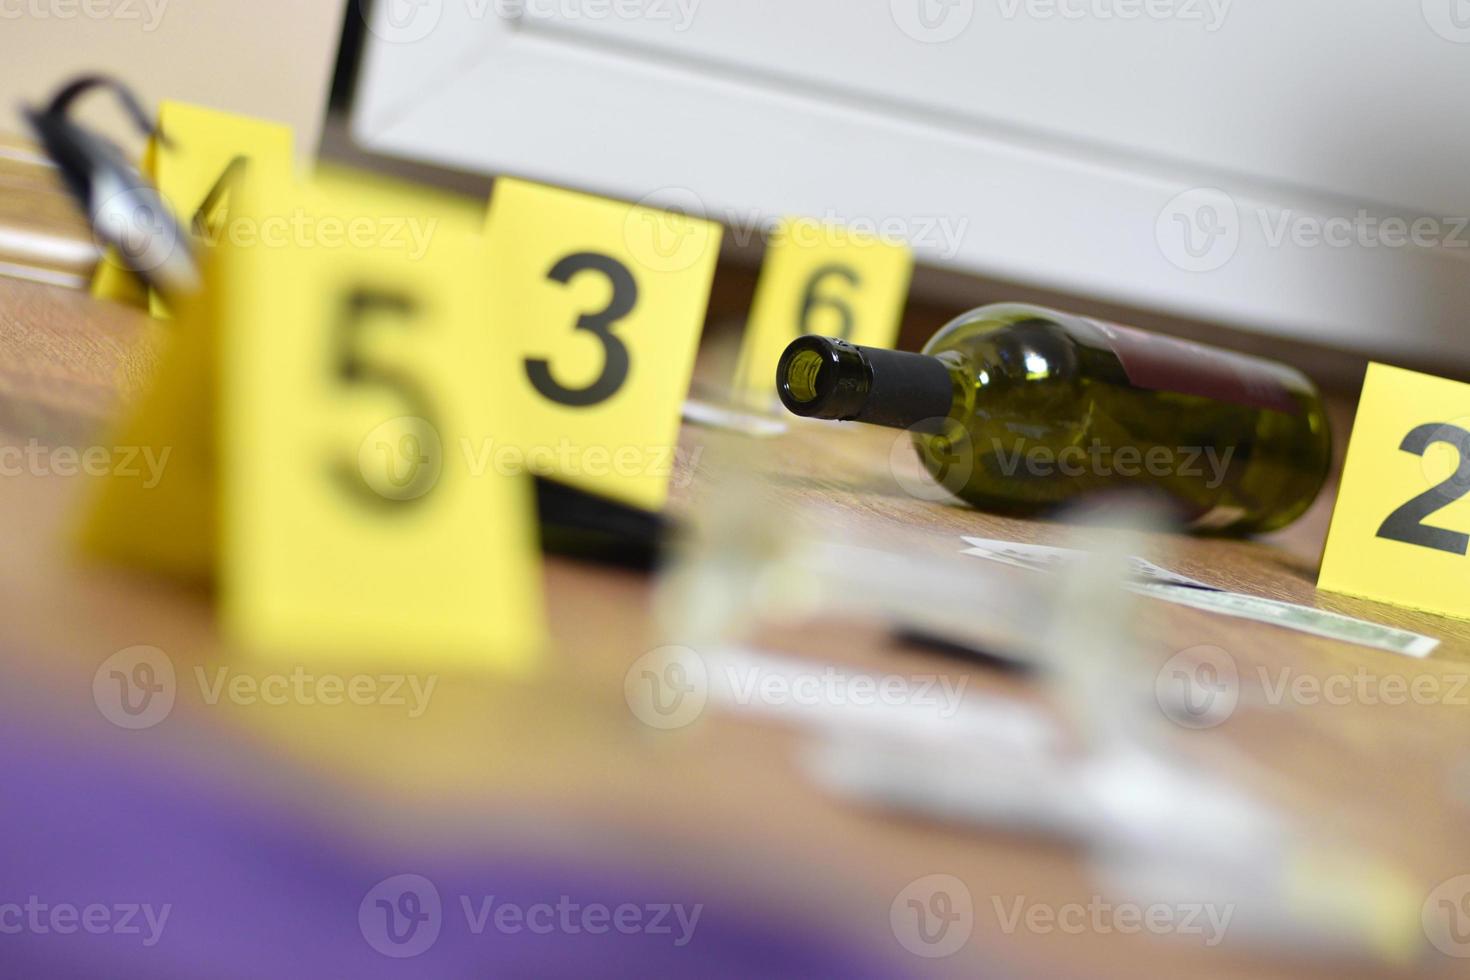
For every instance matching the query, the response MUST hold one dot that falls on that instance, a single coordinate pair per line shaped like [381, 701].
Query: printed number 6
[811, 301]
[617, 362]
[1407, 523]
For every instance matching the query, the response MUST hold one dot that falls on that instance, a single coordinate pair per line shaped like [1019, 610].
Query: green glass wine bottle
[1021, 410]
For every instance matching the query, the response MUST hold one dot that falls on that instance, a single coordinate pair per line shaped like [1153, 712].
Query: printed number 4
[1407, 523]
[208, 220]
[617, 361]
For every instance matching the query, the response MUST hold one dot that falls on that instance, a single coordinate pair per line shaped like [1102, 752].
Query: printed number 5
[617, 362]
[358, 310]
[1407, 523]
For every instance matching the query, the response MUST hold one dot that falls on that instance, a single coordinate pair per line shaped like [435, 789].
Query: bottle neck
[826, 378]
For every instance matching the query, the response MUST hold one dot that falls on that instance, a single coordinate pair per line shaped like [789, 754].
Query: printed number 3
[1407, 523]
[617, 362]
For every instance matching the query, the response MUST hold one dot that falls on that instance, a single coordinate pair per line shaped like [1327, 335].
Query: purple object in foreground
[111, 867]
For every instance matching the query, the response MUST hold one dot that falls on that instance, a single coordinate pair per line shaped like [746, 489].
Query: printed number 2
[617, 361]
[811, 301]
[1407, 523]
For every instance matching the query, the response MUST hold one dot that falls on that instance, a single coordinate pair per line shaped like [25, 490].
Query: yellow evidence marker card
[1401, 530]
[356, 374]
[157, 509]
[206, 154]
[821, 279]
[599, 307]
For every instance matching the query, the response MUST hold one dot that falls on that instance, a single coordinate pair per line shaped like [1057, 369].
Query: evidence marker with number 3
[602, 304]
[1022, 410]
[1401, 529]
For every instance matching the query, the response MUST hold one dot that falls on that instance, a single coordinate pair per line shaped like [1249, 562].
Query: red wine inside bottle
[1021, 410]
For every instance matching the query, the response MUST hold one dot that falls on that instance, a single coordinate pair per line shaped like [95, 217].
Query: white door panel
[1057, 165]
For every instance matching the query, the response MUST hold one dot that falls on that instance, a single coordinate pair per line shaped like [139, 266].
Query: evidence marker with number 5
[1021, 410]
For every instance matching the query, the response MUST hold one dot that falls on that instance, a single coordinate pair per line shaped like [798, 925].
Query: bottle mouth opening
[812, 375]
[802, 380]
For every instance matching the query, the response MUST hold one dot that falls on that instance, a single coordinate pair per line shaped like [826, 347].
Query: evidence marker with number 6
[1021, 410]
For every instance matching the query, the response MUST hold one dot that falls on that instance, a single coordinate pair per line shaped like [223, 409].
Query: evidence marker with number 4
[1022, 410]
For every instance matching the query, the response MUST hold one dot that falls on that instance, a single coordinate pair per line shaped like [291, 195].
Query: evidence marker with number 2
[1401, 529]
[1021, 410]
